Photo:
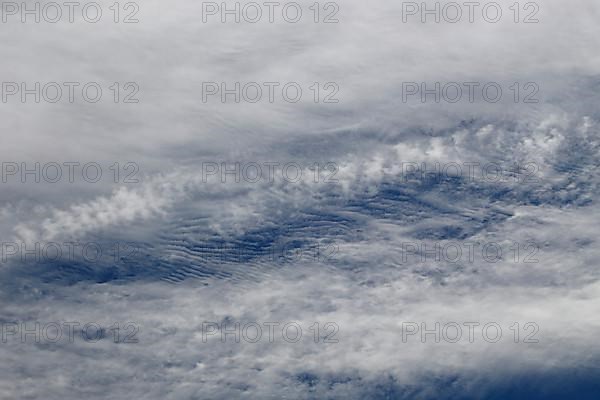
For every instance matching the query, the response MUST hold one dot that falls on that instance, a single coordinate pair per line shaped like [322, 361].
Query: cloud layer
[354, 245]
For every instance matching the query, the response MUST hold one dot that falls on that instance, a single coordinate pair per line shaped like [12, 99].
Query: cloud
[203, 240]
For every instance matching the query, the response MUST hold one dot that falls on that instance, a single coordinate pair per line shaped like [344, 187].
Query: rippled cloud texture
[386, 244]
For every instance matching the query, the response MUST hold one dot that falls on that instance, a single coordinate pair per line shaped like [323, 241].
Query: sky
[333, 200]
